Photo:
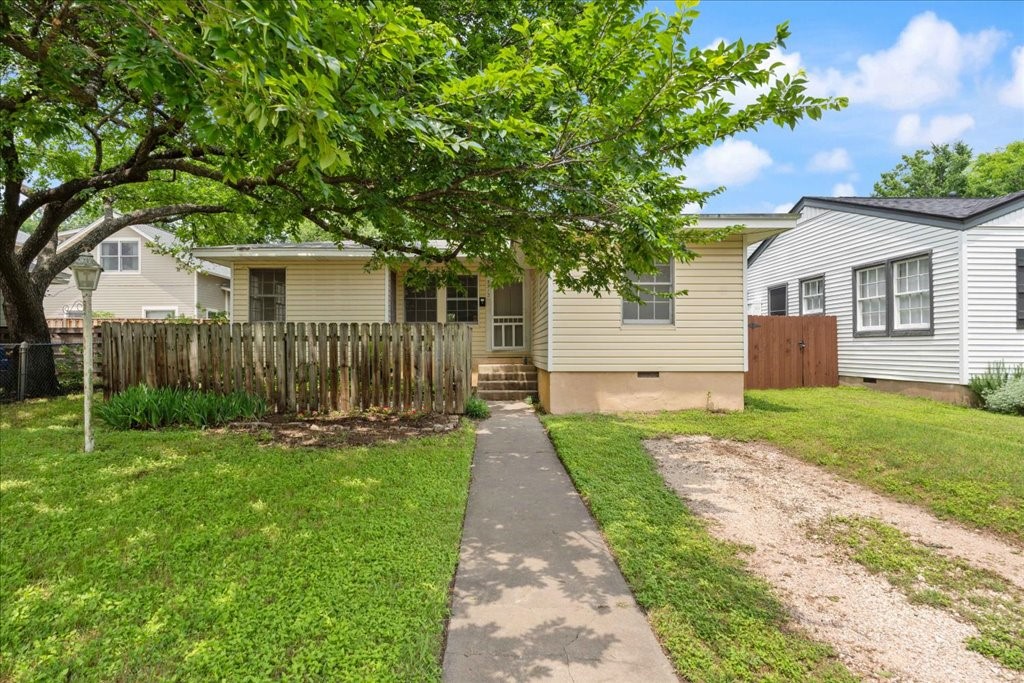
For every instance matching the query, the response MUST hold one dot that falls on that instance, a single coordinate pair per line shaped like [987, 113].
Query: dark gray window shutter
[1020, 289]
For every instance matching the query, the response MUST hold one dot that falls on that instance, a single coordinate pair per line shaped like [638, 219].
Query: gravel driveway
[756, 496]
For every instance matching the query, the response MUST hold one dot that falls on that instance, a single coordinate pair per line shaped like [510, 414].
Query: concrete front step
[504, 395]
[506, 385]
[505, 367]
[505, 376]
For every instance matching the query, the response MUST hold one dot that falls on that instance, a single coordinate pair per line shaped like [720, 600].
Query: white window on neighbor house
[159, 313]
[912, 294]
[119, 256]
[812, 296]
[654, 306]
[870, 290]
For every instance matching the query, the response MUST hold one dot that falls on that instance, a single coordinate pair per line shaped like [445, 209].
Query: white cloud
[910, 132]
[923, 66]
[843, 190]
[831, 161]
[733, 162]
[1012, 94]
[783, 208]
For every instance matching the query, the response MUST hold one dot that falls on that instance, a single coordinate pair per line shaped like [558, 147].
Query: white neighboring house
[927, 292]
[139, 281]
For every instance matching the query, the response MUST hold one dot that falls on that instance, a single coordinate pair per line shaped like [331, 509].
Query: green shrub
[995, 376]
[141, 407]
[477, 408]
[1008, 398]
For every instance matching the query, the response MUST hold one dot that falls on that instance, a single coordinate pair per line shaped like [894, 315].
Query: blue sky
[915, 73]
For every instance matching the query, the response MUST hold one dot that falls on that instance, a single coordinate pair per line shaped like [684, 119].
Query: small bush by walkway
[189, 555]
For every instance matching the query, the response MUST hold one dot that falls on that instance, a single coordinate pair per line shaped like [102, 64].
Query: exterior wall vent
[648, 375]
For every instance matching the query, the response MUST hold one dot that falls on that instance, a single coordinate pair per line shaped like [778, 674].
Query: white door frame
[524, 288]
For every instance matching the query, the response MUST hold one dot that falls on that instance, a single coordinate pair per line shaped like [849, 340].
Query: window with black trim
[812, 296]
[778, 300]
[463, 304]
[266, 295]
[894, 298]
[420, 305]
[1020, 289]
[655, 304]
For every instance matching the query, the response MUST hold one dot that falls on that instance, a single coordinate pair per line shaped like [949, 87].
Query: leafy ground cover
[717, 621]
[989, 602]
[189, 555]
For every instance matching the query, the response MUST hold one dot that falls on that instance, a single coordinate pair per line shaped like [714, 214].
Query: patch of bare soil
[757, 496]
[333, 431]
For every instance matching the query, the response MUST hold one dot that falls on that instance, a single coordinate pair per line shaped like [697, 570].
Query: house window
[266, 295]
[871, 299]
[778, 300]
[420, 305]
[159, 313]
[120, 256]
[912, 294]
[812, 296]
[1020, 289]
[463, 303]
[655, 304]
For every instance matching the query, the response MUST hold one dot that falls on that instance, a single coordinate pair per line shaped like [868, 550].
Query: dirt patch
[758, 497]
[345, 430]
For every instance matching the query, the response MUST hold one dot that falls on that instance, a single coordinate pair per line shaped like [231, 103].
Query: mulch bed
[332, 431]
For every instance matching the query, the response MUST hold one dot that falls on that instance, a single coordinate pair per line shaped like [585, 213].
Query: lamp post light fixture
[87, 279]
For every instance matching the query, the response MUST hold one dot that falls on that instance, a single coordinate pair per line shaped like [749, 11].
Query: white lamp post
[87, 278]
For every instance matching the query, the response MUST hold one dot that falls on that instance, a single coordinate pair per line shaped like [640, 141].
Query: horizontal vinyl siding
[833, 243]
[159, 284]
[992, 333]
[318, 291]
[539, 309]
[210, 293]
[588, 333]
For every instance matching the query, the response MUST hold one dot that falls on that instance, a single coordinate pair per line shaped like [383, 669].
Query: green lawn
[718, 622]
[182, 554]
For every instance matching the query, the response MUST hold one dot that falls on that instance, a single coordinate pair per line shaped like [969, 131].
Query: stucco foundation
[615, 392]
[949, 393]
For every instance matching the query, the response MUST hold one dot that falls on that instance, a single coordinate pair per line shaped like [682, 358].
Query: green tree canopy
[997, 173]
[936, 172]
[513, 130]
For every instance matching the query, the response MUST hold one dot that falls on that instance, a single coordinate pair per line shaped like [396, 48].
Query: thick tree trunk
[26, 321]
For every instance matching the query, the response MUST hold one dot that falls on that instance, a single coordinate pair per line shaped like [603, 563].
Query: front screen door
[507, 328]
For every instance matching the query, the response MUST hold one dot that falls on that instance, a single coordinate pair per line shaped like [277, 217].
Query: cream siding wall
[159, 284]
[335, 290]
[990, 264]
[707, 335]
[538, 310]
[832, 243]
[210, 295]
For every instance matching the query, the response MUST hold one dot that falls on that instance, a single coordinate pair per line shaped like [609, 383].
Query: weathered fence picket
[303, 367]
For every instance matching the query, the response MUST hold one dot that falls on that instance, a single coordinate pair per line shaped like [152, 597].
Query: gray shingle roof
[959, 208]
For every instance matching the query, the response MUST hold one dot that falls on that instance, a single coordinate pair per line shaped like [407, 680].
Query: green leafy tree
[997, 173]
[515, 131]
[936, 172]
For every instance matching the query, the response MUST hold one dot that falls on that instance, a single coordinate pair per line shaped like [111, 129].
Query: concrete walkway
[537, 593]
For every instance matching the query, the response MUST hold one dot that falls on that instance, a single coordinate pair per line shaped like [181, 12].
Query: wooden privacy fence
[298, 367]
[792, 351]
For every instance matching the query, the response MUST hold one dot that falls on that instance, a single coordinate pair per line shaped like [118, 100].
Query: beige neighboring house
[140, 282]
[587, 353]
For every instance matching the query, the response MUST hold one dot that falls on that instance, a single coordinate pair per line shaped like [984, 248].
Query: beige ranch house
[578, 352]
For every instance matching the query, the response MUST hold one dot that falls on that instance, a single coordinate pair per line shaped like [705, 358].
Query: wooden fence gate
[792, 351]
[298, 367]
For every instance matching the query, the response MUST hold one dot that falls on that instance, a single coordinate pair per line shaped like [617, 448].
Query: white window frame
[860, 327]
[462, 296]
[148, 309]
[804, 310]
[896, 294]
[119, 242]
[671, 284]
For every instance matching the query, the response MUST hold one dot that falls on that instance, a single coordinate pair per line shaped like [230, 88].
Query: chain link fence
[27, 370]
